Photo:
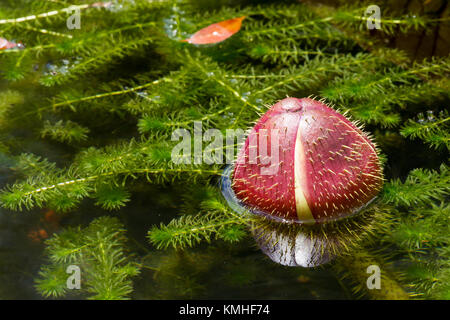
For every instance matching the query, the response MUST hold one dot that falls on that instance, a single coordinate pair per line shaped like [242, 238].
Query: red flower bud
[323, 166]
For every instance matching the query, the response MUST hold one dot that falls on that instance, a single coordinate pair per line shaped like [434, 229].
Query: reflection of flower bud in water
[326, 170]
[293, 249]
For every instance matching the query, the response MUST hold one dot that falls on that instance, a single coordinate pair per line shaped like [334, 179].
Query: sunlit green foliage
[98, 250]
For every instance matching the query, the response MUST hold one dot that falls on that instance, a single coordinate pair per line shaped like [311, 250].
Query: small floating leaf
[216, 32]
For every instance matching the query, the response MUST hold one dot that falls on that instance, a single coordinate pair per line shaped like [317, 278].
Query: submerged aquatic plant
[88, 117]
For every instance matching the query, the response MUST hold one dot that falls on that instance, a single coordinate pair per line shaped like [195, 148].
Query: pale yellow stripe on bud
[303, 210]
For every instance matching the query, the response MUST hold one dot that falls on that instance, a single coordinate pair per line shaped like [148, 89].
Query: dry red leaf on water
[5, 44]
[48, 224]
[38, 235]
[216, 32]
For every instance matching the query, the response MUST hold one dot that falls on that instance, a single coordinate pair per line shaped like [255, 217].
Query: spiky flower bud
[323, 168]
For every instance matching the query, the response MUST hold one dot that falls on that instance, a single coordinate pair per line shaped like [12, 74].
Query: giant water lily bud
[304, 162]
